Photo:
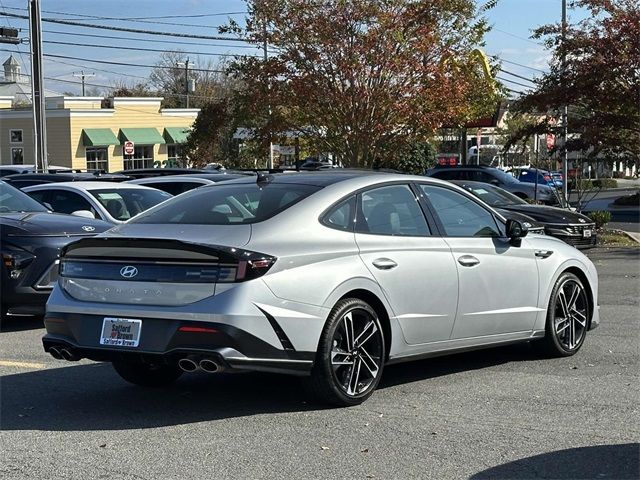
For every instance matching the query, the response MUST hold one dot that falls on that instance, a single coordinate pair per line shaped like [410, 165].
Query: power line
[152, 40]
[517, 64]
[141, 19]
[514, 82]
[126, 64]
[132, 30]
[517, 36]
[140, 49]
[97, 69]
[516, 75]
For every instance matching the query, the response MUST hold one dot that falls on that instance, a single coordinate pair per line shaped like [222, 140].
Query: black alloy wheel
[567, 317]
[351, 355]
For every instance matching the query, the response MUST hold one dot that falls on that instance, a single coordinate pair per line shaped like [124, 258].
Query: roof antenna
[263, 179]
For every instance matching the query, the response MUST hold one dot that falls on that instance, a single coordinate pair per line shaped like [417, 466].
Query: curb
[633, 236]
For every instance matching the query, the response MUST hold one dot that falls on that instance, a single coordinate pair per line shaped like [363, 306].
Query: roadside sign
[128, 148]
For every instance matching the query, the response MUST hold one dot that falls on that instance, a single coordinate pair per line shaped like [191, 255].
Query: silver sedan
[330, 276]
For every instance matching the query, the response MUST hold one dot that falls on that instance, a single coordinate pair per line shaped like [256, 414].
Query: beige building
[89, 133]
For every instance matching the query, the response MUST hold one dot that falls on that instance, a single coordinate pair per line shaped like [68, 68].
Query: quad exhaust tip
[209, 365]
[55, 353]
[68, 355]
[187, 365]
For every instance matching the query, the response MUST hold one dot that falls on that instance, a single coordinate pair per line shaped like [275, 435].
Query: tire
[146, 375]
[566, 327]
[350, 356]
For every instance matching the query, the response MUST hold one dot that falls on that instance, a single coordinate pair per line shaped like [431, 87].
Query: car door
[498, 282]
[414, 268]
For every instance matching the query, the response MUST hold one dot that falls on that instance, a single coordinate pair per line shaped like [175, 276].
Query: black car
[30, 241]
[21, 180]
[494, 176]
[572, 227]
[160, 172]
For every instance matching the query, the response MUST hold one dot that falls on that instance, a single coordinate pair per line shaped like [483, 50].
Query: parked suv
[494, 176]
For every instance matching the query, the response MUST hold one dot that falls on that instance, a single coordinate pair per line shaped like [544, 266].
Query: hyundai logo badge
[582, 220]
[129, 271]
[88, 228]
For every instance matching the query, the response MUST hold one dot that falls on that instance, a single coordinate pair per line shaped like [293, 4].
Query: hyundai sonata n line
[329, 275]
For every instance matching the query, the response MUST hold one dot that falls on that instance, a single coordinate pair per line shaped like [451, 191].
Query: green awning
[176, 134]
[98, 137]
[141, 136]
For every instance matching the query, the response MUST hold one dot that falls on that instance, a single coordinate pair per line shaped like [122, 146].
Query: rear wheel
[350, 355]
[146, 375]
[567, 318]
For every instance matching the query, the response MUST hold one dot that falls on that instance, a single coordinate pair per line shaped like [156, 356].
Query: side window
[460, 216]
[174, 188]
[68, 202]
[446, 175]
[341, 216]
[486, 178]
[38, 196]
[391, 210]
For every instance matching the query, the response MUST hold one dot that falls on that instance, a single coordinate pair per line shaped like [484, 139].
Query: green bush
[601, 217]
[594, 184]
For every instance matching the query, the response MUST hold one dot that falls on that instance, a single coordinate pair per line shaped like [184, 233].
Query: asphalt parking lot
[501, 413]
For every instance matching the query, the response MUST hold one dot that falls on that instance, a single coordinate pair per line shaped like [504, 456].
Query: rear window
[228, 204]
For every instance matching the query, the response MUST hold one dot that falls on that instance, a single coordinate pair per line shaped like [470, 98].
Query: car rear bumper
[232, 327]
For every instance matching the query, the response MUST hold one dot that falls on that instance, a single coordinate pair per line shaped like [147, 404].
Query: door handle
[543, 253]
[384, 263]
[468, 261]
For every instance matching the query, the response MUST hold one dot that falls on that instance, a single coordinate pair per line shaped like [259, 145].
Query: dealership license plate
[120, 332]
[586, 233]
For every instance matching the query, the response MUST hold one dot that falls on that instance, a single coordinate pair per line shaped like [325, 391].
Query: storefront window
[174, 154]
[17, 156]
[15, 136]
[97, 159]
[142, 158]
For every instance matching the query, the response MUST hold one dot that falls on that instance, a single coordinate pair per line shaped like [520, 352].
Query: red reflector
[197, 330]
[261, 263]
[547, 177]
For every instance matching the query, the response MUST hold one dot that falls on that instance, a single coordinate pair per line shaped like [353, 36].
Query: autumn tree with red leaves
[601, 82]
[363, 79]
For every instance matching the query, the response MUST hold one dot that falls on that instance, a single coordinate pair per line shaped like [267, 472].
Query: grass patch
[615, 238]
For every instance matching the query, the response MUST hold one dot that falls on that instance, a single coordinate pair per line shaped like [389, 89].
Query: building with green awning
[141, 136]
[176, 134]
[98, 137]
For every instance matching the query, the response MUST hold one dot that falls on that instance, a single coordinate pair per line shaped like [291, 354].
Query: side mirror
[48, 205]
[515, 231]
[83, 214]
[495, 182]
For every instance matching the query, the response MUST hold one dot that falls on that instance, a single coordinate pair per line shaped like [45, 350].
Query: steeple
[11, 70]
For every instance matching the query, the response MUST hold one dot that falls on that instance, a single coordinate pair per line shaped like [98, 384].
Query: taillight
[547, 178]
[250, 269]
[15, 260]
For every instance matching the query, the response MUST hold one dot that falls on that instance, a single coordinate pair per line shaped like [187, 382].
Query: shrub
[601, 217]
[605, 183]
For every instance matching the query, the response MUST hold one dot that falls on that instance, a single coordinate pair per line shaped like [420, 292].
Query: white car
[112, 202]
[177, 184]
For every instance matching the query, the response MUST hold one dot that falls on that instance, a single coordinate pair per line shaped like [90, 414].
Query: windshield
[494, 196]
[226, 204]
[504, 177]
[125, 203]
[13, 200]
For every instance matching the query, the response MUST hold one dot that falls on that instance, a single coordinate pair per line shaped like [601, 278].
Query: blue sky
[513, 22]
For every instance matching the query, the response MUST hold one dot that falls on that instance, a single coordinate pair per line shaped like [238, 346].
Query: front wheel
[567, 318]
[147, 375]
[350, 355]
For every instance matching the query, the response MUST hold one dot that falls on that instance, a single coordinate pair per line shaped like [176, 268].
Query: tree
[123, 89]
[601, 81]
[363, 78]
[168, 77]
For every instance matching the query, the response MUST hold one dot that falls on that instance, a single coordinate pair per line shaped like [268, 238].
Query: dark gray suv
[494, 176]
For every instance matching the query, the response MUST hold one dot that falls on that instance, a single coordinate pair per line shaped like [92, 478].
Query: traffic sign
[128, 148]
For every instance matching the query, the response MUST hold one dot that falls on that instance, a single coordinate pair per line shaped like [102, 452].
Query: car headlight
[15, 260]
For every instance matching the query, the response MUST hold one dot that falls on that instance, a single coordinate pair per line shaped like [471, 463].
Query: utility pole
[187, 85]
[565, 109]
[37, 88]
[82, 75]
[265, 47]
